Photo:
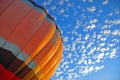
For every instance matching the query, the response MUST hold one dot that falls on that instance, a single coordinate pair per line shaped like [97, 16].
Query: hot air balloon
[30, 41]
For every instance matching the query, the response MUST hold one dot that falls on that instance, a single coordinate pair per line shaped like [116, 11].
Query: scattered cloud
[105, 2]
[91, 9]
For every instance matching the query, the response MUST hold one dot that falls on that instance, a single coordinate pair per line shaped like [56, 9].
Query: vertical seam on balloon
[7, 7]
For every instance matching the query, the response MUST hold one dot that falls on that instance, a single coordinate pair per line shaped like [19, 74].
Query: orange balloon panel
[30, 41]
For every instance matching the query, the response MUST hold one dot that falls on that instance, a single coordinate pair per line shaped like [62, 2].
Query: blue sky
[91, 35]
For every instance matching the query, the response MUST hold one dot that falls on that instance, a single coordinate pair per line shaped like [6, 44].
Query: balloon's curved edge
[36, 5]
[48, 15]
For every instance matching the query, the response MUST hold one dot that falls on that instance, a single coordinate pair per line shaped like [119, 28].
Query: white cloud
[65, 39]
[91, 51]
[111, 45]
[70, 70]
[106, 32]
[103, 50]
[98, 60]
[105, 2]
[90, 44]
[99, 36]
[98, 68]
[103, 39]
[69, 55]
[101, 44]
[115, 22]
[85, 70]
[85, 62]
[90, 61]
[91, 68]
[98, 48]
[93, 26]
[91, 9]
[90, 27]
[84, 51]
[98, 57]
[61, 11]
[105, 26]
[53, 7]
[113, 53]
[87, 36]
[66, 15]
[101, 55]
[73, 47]
[116, 32]
[110, 14]
[66, 67]
[80, 61]
[93, 21]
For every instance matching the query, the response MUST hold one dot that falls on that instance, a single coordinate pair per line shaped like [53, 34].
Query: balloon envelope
[30, 42]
